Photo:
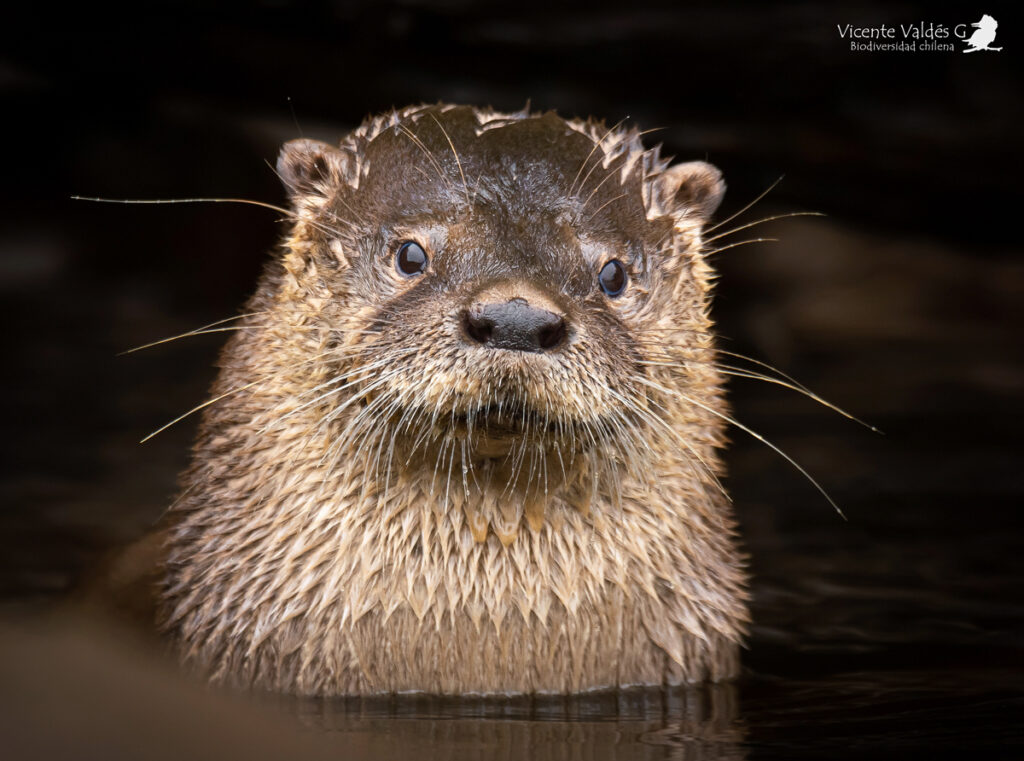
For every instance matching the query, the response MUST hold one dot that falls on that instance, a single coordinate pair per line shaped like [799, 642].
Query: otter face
[515, 279]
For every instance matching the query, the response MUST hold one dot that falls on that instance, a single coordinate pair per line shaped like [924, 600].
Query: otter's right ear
[310, 167]
[694, 188]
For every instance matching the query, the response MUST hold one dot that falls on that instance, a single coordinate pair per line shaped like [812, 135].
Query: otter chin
[465, 438]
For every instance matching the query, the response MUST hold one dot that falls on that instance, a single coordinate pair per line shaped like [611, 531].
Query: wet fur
[359, 517]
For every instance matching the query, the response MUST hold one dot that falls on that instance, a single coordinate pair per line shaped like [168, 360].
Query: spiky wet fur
[337, 533]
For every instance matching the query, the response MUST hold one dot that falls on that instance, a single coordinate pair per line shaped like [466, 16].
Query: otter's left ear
[694, 188]
[310, 166]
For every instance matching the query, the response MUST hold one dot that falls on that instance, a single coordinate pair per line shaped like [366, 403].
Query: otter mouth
[502, 421]
[506, 420]
[496, 431]
[490, 431]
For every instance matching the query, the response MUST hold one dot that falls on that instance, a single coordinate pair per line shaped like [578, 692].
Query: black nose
[514, 325]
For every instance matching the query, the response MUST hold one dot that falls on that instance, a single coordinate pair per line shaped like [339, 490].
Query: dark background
[897, 631]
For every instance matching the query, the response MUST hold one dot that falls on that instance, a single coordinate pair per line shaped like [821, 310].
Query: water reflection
[699, 723]
[75, 682]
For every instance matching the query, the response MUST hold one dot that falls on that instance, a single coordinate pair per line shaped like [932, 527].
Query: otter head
[512, 307]
[464, 439]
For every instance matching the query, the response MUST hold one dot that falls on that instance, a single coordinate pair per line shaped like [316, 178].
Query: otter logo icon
[984, 36]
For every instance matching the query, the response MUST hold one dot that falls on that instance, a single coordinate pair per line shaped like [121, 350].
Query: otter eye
[612, 277]
[411, 259]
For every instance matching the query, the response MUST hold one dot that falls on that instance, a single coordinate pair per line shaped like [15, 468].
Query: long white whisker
[197, 331]
[733, 216]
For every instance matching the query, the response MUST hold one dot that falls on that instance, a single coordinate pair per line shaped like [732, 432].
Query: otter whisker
[161, 201]
[423, 172]
[458, 161]
[448, 477]
[427, 428]
[760, 363]
[583, 206]
[409, 415]
[417, 413]
[657, 422]
[779, 451]
[732, 421]
[347, 380]
[689, 456]
[597, 144]
[750, 205]
[395, 405]
[561, 462]
[763, 221]
[622, 138]
[327, 419]
[357, 376]
[534, 466]
[352, 226]
[467, 467]
[604, 205]
[197, 331]
[606, 440]
[739, 373]
[199, 407]
[442, 448]
[419, 144]
[379, 381]
[720, 249]
[354, 431]
[375, 434]
[785, 381]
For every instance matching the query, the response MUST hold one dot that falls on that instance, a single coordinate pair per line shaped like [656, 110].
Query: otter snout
[515, 325]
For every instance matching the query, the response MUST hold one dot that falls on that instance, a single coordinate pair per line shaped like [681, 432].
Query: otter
[465, 437]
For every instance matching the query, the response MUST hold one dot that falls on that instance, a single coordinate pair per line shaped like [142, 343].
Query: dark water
[898, 632]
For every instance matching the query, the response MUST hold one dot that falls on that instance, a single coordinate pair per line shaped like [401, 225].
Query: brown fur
[360, 518]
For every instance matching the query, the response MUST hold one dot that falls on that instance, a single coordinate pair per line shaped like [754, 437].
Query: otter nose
[514, 325]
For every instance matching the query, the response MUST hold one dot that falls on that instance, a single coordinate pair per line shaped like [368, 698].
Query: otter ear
[310, 166]
[694, 188]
